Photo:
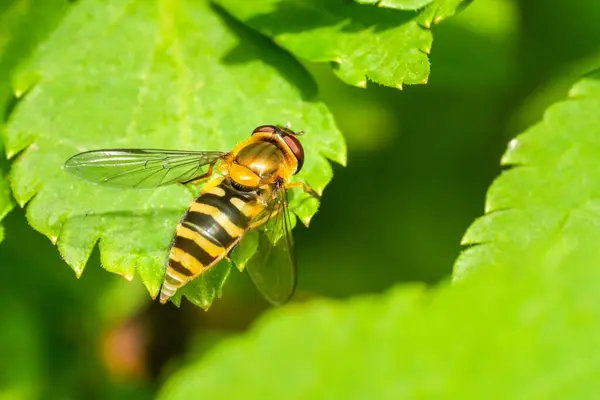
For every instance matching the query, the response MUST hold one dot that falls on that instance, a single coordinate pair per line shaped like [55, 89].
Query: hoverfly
[249, 192]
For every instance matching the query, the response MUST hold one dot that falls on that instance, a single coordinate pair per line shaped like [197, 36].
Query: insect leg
[262, 220]
[202, 177]
[305, 187]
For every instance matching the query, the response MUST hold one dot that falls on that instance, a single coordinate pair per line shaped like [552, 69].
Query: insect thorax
[262, 158]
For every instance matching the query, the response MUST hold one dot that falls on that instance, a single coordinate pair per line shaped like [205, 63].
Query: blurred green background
[420, 162]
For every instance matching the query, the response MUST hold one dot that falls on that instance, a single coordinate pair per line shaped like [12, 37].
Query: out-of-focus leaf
[5, 200]
[21, 376]
[60, 319]
[121, 300]
[552, 59]
[487, 33]
[387, 46]
[23, 23]
[547, 207]
[166, 74]
[529, 333]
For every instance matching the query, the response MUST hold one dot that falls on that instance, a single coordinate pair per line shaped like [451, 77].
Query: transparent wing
[140, 168]
[273, 267]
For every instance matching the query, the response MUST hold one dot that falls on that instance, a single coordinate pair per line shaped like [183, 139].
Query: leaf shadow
[291, 16]
[253, 46]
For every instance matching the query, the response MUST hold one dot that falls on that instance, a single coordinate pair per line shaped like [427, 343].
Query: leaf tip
[362, 84]
[78, 269]
[10, 154]
[507, 156]
[306, 220]
[487, 208]
[341, 158]
[400, 87]
[24, 81]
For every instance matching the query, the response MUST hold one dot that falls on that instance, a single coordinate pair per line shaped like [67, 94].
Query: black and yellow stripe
[213, 224]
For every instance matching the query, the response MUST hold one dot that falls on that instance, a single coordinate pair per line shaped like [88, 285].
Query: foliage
[22, 25]
[519, 319]
[388, 46]
[53, 325]
[546, 208]
[539, 250]
[468, 341]
[399, 4]
[155, 97]
[5, 201]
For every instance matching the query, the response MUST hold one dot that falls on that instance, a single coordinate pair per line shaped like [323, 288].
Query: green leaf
[22, 25]
[387, 46]
[6, 203]
[530, 333]
[441, 9]
[548, 205]
[245, 250]
[523, 325]
[21, 342]
[399, 4]
[167, 74]
[436, 11]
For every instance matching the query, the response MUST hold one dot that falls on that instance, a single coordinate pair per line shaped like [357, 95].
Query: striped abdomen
[213, 224]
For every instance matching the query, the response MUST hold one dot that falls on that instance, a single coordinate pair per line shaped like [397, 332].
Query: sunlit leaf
[524, 325]
[547, 207]
[441, 9]
[436, 10]
[245, 250]
[530, 333]
[167, 74]
[362, 41]
[399, 4]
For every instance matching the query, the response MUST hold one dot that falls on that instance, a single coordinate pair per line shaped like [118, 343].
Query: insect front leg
[305, 187]
[202, 177]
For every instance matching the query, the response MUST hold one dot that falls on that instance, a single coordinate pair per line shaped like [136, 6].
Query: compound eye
[265, 129]
[296, 148]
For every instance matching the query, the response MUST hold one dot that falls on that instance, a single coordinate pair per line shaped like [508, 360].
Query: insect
[244, 190]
